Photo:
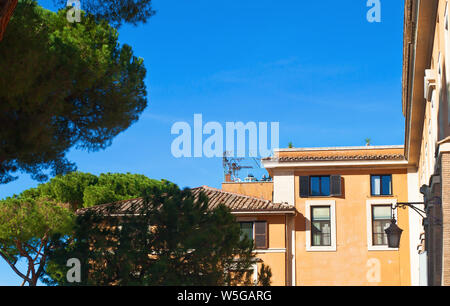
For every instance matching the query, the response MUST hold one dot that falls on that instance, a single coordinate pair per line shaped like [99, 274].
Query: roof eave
[273, 164]
[419, 26]
[264, 212]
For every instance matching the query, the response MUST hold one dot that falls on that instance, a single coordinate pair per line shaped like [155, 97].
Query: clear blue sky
[318, 67]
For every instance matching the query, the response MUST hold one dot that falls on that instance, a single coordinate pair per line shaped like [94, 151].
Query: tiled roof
[116, 208]
[339, 154]
[337, 157]
[236, 202]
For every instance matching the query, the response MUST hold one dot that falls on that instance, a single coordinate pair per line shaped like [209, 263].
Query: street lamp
[393, 233]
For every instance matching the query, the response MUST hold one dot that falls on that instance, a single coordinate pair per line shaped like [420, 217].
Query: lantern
[393, 233]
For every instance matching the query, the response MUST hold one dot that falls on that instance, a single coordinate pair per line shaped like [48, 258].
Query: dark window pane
[315, 186]
[246, 230]
[381, 219]
[320, 185]
[386, 181]
[325, 185]
[320, 226]
[381, 184]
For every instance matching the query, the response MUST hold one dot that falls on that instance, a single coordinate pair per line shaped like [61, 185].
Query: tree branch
[7, 8]
[14, 268]
[30, 263]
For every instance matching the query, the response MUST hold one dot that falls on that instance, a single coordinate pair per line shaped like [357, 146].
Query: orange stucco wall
[276, 262]
[352, 263]
[263, 190]
[276, 238]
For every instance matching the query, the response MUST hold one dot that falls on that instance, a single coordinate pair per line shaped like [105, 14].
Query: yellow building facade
[350, 247]
[420, 173]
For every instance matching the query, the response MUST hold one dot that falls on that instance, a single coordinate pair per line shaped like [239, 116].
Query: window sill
[381, 248]
[320, 248]
[281, 250]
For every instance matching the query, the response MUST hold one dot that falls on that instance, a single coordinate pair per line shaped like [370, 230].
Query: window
[319, 185]
[261, 235]
[320, 226]
[381, 219]
[246, 230]
[381, 185]
[255, 231]
[379, 213]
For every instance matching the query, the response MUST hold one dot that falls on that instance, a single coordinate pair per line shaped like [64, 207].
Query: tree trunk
[7, 8]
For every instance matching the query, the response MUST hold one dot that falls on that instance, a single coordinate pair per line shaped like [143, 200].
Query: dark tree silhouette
[170, 238]
[62, 85]
[116, 12]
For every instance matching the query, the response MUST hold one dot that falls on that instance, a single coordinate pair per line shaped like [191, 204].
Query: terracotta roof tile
[337, 157]
[339, 154]
[236, 202]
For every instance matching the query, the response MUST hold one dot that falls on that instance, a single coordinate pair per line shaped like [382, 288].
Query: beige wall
[436, 117]
[432, 160]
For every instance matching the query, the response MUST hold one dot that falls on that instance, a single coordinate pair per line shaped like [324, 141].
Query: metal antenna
[232, 165]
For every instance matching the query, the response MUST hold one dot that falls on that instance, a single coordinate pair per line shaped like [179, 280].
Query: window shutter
[261, 235]
[336, 188]
[304, 186]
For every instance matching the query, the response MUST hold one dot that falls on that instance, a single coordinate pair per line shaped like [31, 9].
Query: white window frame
[332, 205]
[369, 204]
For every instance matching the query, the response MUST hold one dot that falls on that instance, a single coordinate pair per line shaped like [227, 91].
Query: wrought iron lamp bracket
[421, 212]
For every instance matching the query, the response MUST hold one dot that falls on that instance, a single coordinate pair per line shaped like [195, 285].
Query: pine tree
[169, 239]
[62, 85]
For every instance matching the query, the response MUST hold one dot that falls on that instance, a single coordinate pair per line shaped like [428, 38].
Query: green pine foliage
[62, 85]
[264, 276]
[35, 221]
[117, 12]
[29, 230]
[85, 190]
[175, 240]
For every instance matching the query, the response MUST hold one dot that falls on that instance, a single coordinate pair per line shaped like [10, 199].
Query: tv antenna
[232, 166]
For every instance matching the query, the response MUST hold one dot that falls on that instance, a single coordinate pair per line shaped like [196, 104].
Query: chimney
[228, 178]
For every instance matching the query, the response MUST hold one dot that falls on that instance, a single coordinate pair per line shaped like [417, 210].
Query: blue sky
[319, 68]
